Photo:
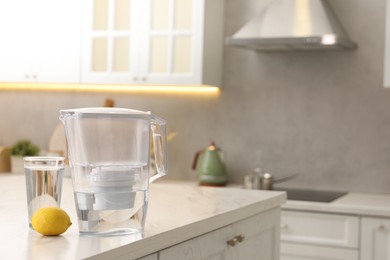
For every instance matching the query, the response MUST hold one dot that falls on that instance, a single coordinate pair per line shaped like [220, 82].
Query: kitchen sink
[312, 195]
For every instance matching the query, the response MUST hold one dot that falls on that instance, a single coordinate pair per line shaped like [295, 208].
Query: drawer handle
[237, 239]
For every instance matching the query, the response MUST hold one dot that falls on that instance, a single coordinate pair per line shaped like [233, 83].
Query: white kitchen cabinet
[307, 235]
[291, 251]
[40, 41]
[375, 239]
[256, 237]
[152, 41]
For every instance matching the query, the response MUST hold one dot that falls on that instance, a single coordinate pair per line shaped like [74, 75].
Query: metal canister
[266, 181]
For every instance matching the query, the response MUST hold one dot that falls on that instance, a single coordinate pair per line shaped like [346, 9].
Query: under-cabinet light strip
[203, 89]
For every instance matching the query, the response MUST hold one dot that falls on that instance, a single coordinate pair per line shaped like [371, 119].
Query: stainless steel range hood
[293, 25]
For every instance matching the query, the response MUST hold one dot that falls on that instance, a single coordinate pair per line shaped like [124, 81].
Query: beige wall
[323, 114]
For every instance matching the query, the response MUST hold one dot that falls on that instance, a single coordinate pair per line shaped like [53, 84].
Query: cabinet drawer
[320, 229]
[290, 251]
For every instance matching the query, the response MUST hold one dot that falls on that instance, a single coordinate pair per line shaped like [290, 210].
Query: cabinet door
[171, 52]
[40, 41]
[375, 239]
[291, 251]
[56, 41]
[256, 237]
[184, 42]
[15, 31]
[111, 48]
[260, 237]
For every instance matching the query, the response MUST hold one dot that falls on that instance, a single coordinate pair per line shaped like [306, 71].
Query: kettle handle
[158, 127]
[196, 159]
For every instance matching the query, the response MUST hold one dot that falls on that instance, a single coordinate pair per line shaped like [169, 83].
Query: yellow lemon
[51, 221]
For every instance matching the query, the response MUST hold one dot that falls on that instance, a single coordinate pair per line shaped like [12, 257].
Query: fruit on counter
[51, 221]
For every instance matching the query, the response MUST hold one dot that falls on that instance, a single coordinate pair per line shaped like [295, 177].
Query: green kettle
[210, 168]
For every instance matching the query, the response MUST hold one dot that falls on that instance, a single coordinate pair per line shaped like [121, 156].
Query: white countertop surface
[353, 203]
[177, 212]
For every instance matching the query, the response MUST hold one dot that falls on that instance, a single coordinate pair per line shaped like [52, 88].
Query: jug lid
[102, 111]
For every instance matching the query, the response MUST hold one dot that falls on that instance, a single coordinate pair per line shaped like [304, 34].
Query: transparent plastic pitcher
[109, 155]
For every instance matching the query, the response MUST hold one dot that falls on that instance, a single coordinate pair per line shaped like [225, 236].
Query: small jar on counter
[252, 180]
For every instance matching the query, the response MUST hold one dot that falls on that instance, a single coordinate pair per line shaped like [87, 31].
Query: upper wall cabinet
[152, 41]
[40, 41]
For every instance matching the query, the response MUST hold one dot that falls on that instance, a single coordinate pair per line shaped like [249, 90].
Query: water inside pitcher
[109, 155]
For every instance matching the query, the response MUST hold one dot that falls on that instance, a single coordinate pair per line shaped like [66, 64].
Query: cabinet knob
[135, 78]
[232, 242]
[143, 78]
[240, 238]
[237, 239]
[27, 76]
[283, 226]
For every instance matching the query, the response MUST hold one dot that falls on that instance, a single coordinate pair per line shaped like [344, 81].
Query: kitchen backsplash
[325, 115]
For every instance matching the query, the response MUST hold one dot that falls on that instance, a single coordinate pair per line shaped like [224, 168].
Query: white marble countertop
[177, 212]
[362, 204]
[352, 203]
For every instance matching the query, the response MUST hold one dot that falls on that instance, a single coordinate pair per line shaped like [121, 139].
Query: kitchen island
[183, 220]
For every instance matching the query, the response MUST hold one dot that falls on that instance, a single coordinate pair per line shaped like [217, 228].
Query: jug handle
[158, 127]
